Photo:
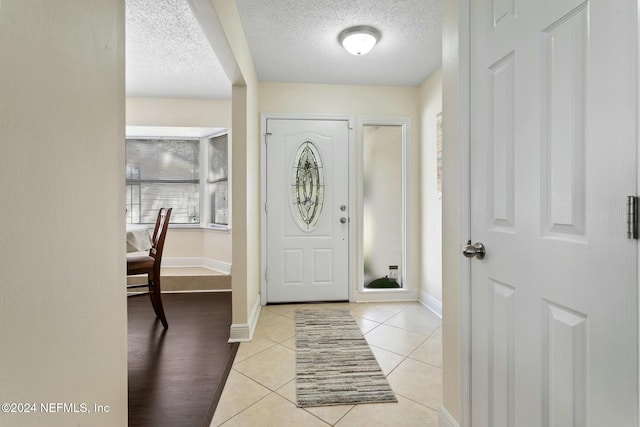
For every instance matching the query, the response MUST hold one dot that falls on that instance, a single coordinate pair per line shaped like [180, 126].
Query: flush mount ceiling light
[359, 40]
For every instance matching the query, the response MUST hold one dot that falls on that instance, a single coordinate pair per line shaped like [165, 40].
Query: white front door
[307, 216]
[553, 157]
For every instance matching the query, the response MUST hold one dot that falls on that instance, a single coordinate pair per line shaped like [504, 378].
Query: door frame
[637, 88]
[463, 131]
[463, 143]
[263, 192]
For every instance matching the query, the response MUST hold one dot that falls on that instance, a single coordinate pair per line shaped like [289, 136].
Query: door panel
[564, 125]
[307, 182]
[501, 161]
[553, 157]
[565, 365]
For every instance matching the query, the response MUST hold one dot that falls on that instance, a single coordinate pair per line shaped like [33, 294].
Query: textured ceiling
[297, 40]
[168, 55]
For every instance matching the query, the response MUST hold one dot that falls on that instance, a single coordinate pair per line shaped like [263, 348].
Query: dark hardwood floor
[176, 376]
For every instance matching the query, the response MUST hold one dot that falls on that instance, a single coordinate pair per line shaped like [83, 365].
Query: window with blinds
[218, 180]
[163, 173]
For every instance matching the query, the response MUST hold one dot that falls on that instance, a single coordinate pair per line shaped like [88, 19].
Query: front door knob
[476, 250]
[343, 220]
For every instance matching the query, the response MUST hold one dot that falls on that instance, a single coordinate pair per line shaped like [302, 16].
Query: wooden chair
[150, 265]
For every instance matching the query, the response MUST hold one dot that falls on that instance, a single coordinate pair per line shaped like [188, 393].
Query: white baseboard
[221, 266]
[255, 314]
[243, 332]
[181, 262]
[446, 420]
[239, 332]
[386, 295]
[431, 303]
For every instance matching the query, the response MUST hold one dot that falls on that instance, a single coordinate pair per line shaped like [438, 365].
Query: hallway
[405, 337]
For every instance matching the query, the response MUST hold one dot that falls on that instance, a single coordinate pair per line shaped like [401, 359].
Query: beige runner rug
[334, 364]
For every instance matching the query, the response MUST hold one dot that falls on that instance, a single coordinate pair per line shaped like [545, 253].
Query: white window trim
[205, 204]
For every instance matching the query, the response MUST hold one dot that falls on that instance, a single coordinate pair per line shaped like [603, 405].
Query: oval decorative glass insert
[307, 186]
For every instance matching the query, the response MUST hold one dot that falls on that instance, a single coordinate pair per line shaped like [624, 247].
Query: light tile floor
[406, 339]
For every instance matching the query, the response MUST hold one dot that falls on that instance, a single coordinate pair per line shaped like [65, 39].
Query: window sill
[184, 226]
[219, 228]
[215, 228]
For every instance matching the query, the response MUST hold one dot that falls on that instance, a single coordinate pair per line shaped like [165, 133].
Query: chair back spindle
[160, 232]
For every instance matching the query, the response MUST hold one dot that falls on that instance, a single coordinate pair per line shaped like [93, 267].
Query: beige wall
[184, 242]
[216, 245]
[245, 176]
[179, 112]
[430, 107]
[451, 207]
[359, 101]
[63, 330]
[173, 112]
[303, 98]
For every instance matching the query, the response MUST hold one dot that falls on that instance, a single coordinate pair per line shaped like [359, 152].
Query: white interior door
[553, 157]
[307, 215]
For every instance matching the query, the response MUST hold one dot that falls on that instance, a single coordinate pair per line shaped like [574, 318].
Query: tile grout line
[289, 315]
